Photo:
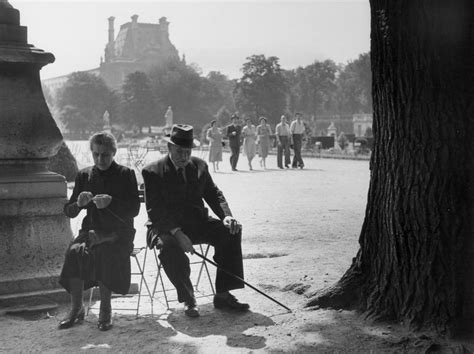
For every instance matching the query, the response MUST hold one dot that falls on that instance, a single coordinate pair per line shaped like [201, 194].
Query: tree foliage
[82, 102]
[265, 89]
[137, 104]
[354, 91]
[313, 88]
[179, 86]
[262, 90]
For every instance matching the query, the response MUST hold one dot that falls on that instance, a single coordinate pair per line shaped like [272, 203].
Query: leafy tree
[74, 120]
[225, 87]
[262, 90]
[82, 102]
[137, 105]
[210, 97]
[415, 261]
[314, 88]
[176, 84]
[223, 116]
[354, 86]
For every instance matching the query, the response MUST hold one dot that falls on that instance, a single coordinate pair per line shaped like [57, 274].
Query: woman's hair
[262, 118]
[105, 139]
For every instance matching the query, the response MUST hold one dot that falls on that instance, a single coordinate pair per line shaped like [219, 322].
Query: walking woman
[263, 137]
[214, 136]
[250, 148]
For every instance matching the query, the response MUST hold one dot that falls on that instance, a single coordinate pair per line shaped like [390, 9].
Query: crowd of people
[257, 140]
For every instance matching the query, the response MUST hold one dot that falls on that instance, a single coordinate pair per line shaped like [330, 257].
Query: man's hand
[102, 201]
[84, 198]
[184, 241]
[80, 248]
[234, 226]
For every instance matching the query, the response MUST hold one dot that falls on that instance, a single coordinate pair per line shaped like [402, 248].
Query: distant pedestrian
[263, 137]
[234, 131]
[214, 136]
[250, 135]
[297, 130]
[282, 134]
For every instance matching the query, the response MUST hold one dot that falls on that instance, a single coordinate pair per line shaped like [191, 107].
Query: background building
[137, 47]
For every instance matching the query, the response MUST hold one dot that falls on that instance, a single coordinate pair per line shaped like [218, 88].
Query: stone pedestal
[34, 232]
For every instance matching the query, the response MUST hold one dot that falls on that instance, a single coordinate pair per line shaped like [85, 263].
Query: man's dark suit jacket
[171, 204]
[234, 140]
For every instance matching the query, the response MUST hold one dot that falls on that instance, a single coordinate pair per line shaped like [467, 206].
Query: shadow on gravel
[224, 323]
[264, 255]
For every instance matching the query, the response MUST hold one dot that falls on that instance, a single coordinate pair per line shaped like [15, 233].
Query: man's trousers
[283, 148]
[227, 254]
[234, 156]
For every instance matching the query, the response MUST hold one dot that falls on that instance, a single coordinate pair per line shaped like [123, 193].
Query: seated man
[100, 254]
[175, 187]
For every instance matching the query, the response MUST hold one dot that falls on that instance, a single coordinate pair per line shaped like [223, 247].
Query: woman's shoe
[105, 320]
[104, 325]
[72, 319]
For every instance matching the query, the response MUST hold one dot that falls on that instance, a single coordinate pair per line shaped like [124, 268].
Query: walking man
[297, 129]
[234, 131]
[282, 133]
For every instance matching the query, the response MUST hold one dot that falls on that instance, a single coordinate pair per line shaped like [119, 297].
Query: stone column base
[34, 233]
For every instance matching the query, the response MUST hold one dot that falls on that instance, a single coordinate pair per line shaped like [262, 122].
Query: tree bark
[415, 262]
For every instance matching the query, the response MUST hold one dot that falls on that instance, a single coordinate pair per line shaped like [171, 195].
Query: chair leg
[91, 293]
[141, 269]
[204, 266]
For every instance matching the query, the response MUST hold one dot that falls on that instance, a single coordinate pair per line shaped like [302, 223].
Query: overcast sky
[217, 36]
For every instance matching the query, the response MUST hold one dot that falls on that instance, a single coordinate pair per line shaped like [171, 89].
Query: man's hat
[182, 135]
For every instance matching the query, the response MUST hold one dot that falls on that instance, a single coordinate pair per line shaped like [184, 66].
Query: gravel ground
[300, 232]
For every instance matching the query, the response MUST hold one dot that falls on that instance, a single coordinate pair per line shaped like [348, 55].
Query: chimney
[111, 29]
[164, 26]
[134, 19]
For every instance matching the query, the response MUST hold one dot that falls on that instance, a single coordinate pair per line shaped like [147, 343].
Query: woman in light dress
[214, 136]
[250, 148]
[263, 138]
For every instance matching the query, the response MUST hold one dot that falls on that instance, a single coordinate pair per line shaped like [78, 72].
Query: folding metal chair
[203, 270]
[139, 272]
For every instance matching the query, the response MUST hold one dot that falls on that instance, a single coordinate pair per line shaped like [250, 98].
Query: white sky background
[218, 36]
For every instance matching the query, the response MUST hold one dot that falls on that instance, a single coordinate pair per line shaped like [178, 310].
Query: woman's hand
[80, 248]
[102, 201]
[84, 198]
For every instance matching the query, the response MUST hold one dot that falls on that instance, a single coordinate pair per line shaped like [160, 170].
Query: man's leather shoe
[191, 310]
[104, 325]
[228, 301]
[72, 319]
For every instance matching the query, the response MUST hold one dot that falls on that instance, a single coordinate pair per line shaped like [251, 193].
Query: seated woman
[100, 254]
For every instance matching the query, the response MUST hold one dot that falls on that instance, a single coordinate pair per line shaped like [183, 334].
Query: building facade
[137, 47]
[362, 122]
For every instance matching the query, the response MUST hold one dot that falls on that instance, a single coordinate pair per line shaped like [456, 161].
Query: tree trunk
[415, 262]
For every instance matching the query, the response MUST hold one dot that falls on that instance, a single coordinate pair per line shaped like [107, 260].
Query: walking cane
[222, 269]
[239, 278]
